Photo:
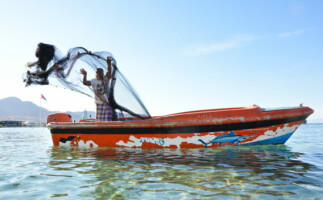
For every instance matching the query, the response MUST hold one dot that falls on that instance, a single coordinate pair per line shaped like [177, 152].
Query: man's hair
[45, 54]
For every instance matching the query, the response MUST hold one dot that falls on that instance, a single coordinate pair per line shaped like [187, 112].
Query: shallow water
[31, 168]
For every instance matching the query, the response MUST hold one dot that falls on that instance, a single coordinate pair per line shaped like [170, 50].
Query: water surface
[31, 168]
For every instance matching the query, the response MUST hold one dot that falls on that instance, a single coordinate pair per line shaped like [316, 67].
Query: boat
[133, 126]
[211, 128]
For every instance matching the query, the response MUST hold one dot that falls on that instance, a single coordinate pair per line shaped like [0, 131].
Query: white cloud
[237, 42]
[292, 33]
[221, 46]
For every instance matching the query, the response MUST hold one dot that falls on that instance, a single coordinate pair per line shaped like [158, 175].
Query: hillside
[12, 108]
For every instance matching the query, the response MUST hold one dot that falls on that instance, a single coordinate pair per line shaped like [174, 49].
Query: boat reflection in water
[270, 171]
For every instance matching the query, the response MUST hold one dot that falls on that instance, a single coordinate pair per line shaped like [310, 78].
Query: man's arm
[85, 81]
[108, 75]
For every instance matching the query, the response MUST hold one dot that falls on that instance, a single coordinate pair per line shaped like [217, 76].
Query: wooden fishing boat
[132, 124]
[196, 129]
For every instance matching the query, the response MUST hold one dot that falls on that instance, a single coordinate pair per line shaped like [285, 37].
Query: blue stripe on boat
[277, 140]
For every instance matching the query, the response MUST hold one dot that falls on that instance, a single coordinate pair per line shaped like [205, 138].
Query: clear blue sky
[179, 55]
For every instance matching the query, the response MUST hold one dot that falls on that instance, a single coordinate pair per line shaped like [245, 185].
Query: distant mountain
[15, 109]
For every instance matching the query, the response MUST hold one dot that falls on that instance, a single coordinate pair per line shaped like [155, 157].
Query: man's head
[44, 53]
[99, 74]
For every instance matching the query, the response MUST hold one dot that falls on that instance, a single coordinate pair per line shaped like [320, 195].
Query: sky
[179, 55]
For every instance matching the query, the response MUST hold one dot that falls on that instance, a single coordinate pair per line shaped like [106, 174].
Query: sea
[32, 168]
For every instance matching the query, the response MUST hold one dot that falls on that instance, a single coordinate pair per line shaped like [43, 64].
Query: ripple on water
[31, 168]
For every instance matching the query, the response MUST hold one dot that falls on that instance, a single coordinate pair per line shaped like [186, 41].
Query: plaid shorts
[103, 112]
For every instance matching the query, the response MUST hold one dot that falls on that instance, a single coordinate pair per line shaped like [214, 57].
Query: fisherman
[100, 84]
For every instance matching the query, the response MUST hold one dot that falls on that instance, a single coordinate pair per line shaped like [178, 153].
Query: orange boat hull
[196, 129]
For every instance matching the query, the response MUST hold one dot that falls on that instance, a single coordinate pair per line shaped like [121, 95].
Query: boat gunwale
[169, 130]
[265, 115]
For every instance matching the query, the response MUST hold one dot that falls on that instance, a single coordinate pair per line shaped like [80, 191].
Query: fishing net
[64, 71]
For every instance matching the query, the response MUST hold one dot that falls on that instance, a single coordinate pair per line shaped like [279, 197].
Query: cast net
[64, 71]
